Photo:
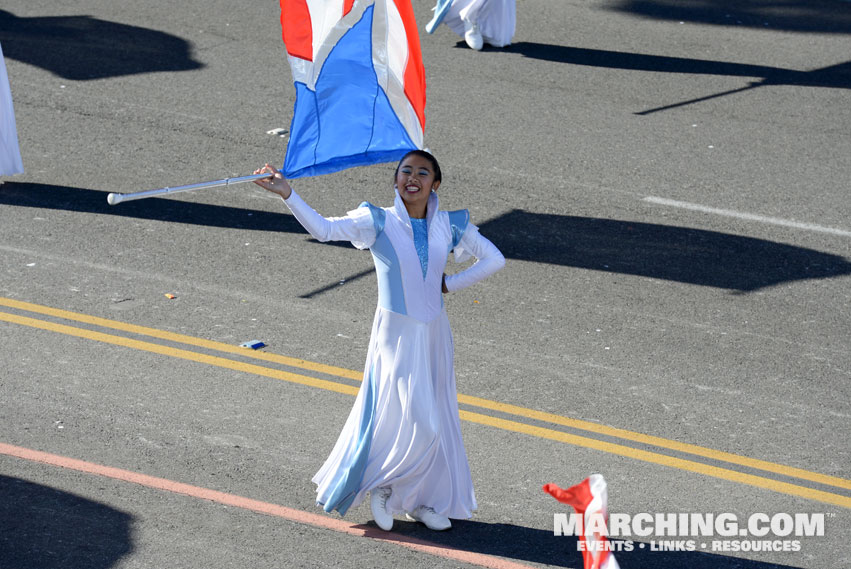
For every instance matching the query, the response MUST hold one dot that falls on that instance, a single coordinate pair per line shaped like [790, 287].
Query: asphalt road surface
[669, 182]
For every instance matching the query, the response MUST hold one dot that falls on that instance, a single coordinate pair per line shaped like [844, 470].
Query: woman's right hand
[276, 183]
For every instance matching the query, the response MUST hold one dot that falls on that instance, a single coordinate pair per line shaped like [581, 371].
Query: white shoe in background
[473, 36]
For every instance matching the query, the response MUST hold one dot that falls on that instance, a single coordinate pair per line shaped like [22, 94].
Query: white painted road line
[748, 216]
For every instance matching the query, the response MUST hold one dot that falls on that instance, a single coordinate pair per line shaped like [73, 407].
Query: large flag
[360, 83]
[589, 498]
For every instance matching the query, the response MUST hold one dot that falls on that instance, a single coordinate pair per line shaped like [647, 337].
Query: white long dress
[403, 431]
[10, 153]
[496, 19]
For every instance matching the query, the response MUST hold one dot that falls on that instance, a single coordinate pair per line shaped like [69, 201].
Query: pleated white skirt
[403, 431]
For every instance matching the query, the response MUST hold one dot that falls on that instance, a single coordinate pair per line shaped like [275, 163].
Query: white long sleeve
[489, 260]
[356, 227]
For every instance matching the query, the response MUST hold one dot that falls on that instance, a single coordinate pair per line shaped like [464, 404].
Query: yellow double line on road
[468, 400]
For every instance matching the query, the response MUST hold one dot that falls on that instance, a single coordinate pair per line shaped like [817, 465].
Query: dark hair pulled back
[422, 154]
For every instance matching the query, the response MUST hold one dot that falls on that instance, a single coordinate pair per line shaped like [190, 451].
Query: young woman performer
[402, 440]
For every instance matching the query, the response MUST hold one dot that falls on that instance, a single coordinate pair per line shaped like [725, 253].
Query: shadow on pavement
[83, 48]
[45, 196]
[836, 76]
[45, 528]
[692, 256]
[680, 254]
[812, 16]
[540, 546]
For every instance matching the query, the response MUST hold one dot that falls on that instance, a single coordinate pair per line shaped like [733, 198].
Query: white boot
[430, 518]
[472, 35]
[378, 503]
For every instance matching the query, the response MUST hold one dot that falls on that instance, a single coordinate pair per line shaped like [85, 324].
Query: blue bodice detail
[420, 227]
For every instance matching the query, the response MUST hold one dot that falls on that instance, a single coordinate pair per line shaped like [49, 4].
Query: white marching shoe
[378, 503]
[473, 36]
[430, 518]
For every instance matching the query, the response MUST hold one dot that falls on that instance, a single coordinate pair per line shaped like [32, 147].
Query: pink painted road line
[290, 514]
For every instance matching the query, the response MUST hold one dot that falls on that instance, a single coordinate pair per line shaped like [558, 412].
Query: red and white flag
[360, 83]
[589, 498]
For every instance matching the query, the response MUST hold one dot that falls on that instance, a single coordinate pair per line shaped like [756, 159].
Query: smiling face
[415, 179]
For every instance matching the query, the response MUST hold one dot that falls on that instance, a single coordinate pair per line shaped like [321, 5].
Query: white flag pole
[117, 198]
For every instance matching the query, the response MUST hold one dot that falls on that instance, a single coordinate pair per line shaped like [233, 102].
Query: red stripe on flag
[580, 496]
[297, 29]
[347, 6]
[414, 72]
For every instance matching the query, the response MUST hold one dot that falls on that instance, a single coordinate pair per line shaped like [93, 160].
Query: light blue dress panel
[420, 228]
